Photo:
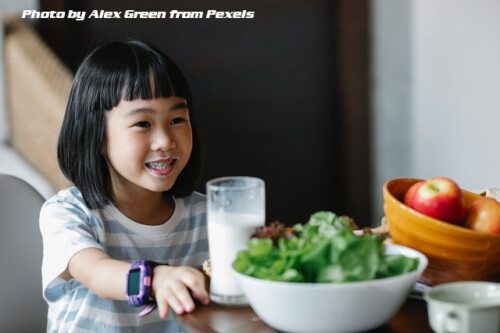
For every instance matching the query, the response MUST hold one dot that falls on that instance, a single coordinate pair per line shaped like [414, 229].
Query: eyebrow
[180, 105]
[177, 106]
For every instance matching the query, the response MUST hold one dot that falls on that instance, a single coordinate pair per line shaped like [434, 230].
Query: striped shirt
[69, 226]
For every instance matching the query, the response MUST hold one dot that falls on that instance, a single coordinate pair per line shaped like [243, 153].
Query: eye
[177, 121]
[143, 124]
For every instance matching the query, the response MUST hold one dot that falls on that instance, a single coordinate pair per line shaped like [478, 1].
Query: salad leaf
[324, 249]
[393, 264]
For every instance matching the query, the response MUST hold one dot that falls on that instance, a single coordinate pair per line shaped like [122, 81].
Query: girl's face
[148, 144]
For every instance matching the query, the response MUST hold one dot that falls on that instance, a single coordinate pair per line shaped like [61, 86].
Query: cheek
[189, 142]
[110, 146]
[120, 145]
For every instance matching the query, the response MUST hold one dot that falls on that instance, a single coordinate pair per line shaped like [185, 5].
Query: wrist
[160, 272]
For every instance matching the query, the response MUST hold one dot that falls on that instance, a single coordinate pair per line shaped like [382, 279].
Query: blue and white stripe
[69, 226]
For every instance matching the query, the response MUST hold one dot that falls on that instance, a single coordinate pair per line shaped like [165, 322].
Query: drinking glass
[235, 207]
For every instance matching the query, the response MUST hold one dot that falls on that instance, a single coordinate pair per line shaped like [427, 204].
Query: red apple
[411, 192]
[440, 198]
[484, 215]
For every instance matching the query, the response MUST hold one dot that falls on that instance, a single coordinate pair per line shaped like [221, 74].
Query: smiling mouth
[161, 167]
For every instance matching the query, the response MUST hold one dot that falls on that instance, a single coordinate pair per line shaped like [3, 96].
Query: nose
[162, 141]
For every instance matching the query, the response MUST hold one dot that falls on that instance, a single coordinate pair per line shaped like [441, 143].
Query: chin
[160, 187]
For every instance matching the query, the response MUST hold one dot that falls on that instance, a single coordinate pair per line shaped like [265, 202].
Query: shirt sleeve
[67, 228]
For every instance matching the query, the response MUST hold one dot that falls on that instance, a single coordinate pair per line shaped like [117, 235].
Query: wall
[391, 95]
[456, 83]
[266, 92]
[17, 5]
[6, 7]
[435, 91]
[435, 74]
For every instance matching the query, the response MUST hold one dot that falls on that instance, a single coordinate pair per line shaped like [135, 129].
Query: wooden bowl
[455, 253]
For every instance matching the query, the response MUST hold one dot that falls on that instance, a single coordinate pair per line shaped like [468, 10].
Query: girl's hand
[171, 287]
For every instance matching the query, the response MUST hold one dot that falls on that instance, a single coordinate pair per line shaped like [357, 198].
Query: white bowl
[331, 307]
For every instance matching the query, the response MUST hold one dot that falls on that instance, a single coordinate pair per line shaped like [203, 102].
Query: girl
[128, 143]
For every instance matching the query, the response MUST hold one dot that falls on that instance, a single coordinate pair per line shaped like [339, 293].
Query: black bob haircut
[117, 70]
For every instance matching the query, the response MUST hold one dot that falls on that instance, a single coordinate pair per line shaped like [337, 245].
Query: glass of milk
[235, 207]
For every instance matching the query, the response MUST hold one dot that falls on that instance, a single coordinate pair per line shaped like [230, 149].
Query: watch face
[134, 278]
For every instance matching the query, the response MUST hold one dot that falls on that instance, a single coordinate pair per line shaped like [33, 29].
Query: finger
[183, 296]
[196, 284]
[162, 308]
[201, 294]
[174, 302]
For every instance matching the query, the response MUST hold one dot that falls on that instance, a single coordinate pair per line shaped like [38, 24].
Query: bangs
[140, 71]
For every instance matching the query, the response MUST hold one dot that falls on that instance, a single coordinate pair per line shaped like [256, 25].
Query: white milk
[227, 234]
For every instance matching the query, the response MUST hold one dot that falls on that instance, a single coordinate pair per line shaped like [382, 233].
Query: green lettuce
[325, 249]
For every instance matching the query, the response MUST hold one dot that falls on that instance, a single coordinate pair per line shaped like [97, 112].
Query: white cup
[464, 307]
[235, 207]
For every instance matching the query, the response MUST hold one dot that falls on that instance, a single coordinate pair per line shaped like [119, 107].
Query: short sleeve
[67, 227]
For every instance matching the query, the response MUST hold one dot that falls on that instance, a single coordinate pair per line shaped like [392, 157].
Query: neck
[152, 209]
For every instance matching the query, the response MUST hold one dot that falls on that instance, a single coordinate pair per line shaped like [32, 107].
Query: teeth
[159, 166]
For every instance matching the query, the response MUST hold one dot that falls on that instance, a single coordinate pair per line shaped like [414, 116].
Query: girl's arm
[107, 278]
[100, 273]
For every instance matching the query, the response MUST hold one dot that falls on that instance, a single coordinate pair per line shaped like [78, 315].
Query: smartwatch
[139, 283]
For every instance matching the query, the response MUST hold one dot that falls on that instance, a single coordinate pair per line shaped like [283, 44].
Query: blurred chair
[22, 307]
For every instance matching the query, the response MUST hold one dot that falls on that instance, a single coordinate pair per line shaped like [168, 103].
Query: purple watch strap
[141, 276]
[147, 310]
